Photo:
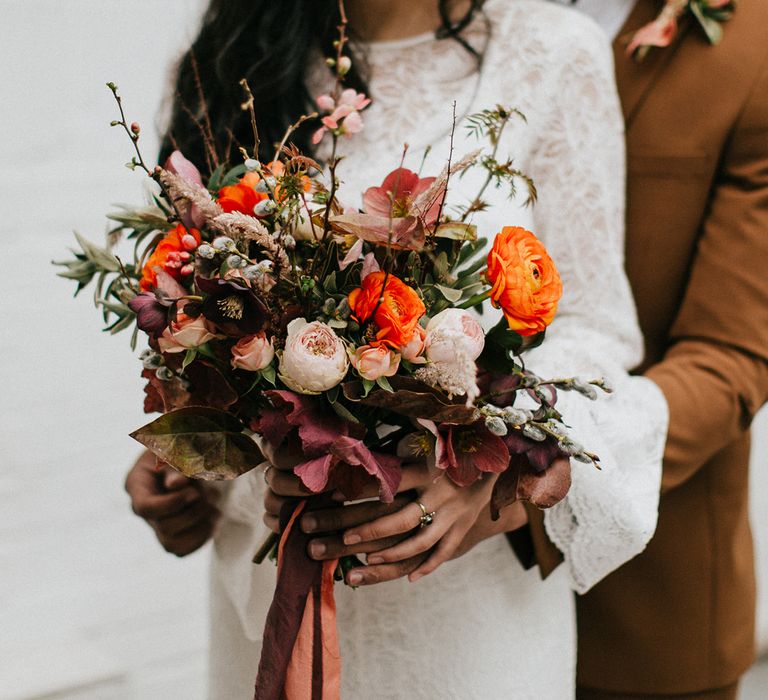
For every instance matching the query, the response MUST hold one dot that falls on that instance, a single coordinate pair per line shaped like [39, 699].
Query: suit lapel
[635, 79]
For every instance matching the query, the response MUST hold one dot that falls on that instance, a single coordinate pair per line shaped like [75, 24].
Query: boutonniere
[710, 14]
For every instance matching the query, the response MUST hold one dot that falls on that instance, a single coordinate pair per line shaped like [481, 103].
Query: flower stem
[475, 300]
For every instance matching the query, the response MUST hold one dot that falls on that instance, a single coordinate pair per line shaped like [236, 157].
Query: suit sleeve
[715, 374]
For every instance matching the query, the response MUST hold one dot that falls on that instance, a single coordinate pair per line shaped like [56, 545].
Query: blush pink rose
[374, 362]
[413, 352]
[186, 333]
[451, 333]
[252, 353]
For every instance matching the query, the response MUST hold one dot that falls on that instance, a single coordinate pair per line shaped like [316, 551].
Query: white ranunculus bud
[314, 359]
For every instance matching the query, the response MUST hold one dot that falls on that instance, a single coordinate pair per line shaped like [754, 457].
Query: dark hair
[270, 44]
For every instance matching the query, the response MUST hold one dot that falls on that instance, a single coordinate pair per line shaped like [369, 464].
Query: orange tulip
[526, 284]
[398, 314]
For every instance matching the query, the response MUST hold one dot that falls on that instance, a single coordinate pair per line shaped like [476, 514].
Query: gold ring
[266, 471]
[426, 517]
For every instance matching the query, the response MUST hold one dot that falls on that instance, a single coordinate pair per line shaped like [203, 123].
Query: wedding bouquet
[272, 310]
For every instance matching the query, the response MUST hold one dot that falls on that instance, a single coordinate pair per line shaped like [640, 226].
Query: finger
[368, 575]
[343, 517]
[286, 484]
[174, 480]
[193, 516]
[273, 503]
[408, 518]
[272, 522]
[190, 541]
[422, 541]
[151, 505]
[284, 457]
[323, 548]
[443, 552]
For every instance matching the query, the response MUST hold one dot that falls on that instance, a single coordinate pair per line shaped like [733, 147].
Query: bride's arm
[609, 515]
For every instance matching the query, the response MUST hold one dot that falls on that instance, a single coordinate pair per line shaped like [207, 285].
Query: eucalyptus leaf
[457, 231]
[201, 443]
[452, 295]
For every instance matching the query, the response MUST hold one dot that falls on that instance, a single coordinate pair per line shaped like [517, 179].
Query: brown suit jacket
[680, 617]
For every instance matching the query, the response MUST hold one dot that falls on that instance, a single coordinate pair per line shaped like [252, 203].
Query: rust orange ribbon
[300, 658]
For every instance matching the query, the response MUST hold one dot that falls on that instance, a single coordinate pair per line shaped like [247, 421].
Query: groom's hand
[176, 508]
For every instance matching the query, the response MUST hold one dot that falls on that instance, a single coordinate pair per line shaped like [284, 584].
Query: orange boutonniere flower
[525, 282]
[710, 14]
[172, 255]
[398, 314]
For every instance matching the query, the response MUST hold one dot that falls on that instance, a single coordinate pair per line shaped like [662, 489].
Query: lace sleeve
[609, 515]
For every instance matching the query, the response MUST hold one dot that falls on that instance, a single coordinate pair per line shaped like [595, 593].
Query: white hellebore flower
[314, 359]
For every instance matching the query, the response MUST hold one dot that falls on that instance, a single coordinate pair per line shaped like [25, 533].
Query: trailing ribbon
[661, 32]
[300, 657]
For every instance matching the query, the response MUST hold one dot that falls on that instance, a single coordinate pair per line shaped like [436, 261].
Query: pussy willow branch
[248, 104]
[154, 174]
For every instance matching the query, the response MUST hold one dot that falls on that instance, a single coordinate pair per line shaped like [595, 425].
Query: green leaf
[189, 358]
[269, 375]
[457, 231]
[343, 413]
[367, 386]
[201, 443]
[214, 183]
[329, 284]
[383, 383]
[452, 295]
[711, 27]
[121, 324]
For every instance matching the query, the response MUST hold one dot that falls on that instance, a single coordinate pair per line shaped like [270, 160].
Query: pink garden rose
[186, 333]
[451, 333]
[252, 352]
[375, 362]
[413, 352]
[315, 358]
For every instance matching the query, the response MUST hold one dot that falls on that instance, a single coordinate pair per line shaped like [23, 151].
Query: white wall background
[90, 606]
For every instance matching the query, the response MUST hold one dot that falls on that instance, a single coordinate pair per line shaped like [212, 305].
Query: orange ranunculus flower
[397, 315]
[170, 255]
[243, 196]
[526, 284]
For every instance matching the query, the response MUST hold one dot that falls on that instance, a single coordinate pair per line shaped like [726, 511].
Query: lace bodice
[480, 626]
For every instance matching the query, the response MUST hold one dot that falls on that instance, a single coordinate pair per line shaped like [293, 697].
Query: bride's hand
[284, 487]
[450, 512]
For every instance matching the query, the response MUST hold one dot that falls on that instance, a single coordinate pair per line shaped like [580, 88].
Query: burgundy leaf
[314, 473]
[318, 428]
[522, 483]
[540, 454]
[384, 467]
[414, 399]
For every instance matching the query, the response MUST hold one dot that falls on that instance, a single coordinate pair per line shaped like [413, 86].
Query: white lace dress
[481, 626]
